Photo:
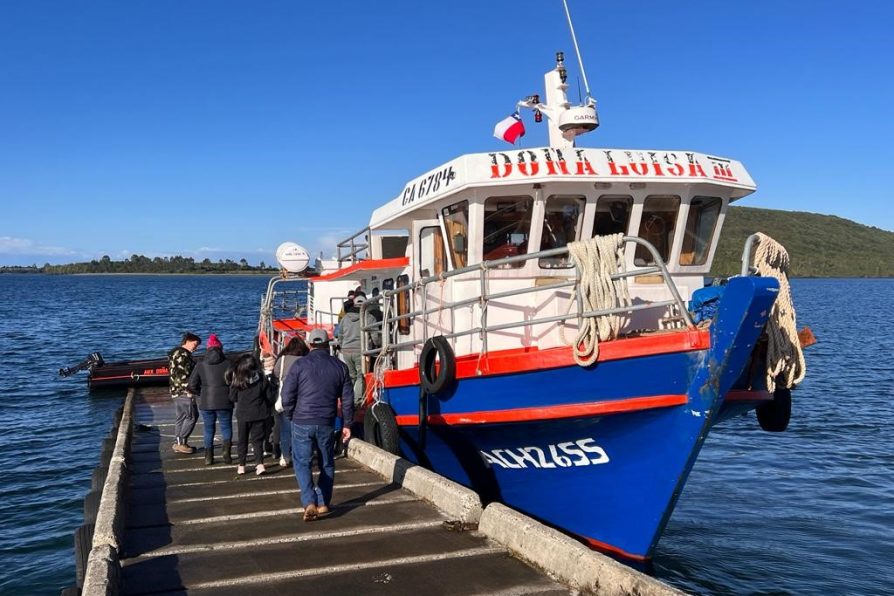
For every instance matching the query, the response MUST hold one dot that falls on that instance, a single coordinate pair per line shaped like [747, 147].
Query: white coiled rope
[598, 259]
[785, 359]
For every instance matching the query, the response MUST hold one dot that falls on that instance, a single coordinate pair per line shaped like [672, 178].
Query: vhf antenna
[580, 61]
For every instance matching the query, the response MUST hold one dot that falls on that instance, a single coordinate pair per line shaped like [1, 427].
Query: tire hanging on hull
[380, 428]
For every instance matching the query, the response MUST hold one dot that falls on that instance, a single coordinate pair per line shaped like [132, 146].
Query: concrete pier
[167, 523]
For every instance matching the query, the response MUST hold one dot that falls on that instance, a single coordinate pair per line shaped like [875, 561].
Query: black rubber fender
[774, 416]
[83, 542]
[380, 428]
[435, 379]
[91, 505]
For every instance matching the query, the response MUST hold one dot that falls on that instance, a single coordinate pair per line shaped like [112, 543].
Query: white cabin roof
[546, 164]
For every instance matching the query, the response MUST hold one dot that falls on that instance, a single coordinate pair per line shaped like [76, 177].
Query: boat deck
[202, 529]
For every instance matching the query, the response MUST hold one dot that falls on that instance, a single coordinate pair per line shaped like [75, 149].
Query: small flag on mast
[510, 129]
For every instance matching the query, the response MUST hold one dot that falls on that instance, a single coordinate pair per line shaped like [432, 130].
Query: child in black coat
[254, 396]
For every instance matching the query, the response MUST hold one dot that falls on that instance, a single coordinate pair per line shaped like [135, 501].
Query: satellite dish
[292, 257]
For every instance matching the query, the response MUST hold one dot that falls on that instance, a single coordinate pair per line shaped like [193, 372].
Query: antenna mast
[580, 61]
[566, 122]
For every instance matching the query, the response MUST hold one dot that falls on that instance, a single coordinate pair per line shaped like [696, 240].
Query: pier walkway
[203, 529]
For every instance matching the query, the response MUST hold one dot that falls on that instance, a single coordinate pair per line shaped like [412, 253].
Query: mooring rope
[785, 359]
[597, 259]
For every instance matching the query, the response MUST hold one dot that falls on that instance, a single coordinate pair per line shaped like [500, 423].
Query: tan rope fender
[785, 359]
[597, 259]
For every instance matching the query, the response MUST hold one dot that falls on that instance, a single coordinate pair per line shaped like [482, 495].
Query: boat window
[507, 224]
[432, 256]
[456, 222]
[403, 305]
[703, 215]
[561, 225]
[657, 226]
[612, 215]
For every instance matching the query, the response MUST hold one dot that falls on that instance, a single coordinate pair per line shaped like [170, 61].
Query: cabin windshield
[561, 225]
[507, 224]
[612, 215]
[700, 224]
[657, 226]
[456, 222]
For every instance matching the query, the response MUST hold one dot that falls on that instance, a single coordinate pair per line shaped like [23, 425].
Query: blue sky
[219, 129]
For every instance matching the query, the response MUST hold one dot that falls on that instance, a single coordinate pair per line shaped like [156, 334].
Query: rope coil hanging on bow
[785, 359]
[597, 259]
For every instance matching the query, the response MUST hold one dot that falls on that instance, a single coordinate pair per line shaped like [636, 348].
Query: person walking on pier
[253, 395]
[209, 381]
[310, 395]
[180, 366]
[349, 331]
[282, 427]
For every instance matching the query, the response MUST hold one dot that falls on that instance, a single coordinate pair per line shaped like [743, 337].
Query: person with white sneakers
[253, 396]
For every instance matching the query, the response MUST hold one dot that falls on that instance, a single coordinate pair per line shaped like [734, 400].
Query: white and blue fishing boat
[546, 337]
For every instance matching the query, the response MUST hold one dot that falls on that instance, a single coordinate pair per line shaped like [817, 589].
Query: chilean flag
[510, 129]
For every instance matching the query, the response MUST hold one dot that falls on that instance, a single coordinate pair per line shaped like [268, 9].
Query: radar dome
[292, 257]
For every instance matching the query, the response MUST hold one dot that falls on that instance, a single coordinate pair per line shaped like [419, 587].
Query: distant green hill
[818, 245]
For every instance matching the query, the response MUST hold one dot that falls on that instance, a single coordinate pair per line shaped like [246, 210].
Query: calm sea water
[809, 511]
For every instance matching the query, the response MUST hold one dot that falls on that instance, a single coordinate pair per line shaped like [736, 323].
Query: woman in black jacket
[253, 395]
[208, 381]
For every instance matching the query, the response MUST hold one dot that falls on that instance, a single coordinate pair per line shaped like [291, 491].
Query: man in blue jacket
[310, 394]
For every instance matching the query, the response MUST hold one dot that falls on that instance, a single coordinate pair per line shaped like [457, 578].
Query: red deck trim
[599, 408]
[531, 358]
[291, 325]
[365, 265]
[608, 548]
[745, 395]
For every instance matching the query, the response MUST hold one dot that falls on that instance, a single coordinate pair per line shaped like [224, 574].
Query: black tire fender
[774, 416]
[380, 428]
[435, 379]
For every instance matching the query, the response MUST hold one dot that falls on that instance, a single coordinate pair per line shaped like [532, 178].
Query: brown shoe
[310, 512]
[322, 510]
[182, 448]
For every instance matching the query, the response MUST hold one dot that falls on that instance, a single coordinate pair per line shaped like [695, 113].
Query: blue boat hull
[612, 480]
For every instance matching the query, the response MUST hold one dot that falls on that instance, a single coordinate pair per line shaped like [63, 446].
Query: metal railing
[387, 328]
[279, 304]
[747, 269]
[351, 248]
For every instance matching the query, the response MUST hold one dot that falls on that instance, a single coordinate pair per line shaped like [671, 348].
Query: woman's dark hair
[245, 371]
[295, 347]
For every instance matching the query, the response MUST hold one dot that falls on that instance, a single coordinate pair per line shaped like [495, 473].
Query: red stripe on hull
[600, 408]
[608, 548]
[531, 358]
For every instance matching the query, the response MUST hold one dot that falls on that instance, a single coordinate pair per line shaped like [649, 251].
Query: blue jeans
[209, 417]
[285, 435]
[304, 437]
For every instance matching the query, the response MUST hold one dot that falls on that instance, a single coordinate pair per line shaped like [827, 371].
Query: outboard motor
[93, 360]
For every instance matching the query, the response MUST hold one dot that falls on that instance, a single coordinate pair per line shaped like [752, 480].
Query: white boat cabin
[462, 243]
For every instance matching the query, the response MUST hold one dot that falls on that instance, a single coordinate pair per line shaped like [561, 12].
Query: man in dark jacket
[180, 365]
[310, 395]
[208, 381]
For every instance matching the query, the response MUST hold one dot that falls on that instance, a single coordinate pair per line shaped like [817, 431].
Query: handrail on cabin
[353, 248]
[389, 322]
